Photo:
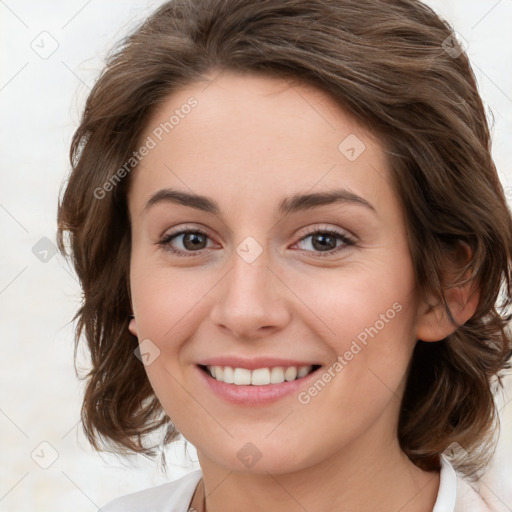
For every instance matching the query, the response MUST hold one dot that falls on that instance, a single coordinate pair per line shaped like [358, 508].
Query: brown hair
[385, 62]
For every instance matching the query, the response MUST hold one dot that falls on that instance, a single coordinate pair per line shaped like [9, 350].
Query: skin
[250, 142]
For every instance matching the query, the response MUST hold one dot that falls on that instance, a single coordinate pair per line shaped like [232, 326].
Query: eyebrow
[295, 203]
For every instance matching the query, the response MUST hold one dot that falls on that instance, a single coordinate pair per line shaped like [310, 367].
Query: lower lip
[255, 395]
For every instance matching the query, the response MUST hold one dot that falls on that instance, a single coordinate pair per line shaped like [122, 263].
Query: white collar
[447, 494]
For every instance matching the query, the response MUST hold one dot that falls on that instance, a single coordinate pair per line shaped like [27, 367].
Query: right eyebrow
[169, 195]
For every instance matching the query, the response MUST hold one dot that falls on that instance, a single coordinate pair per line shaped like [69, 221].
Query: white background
[40, 101]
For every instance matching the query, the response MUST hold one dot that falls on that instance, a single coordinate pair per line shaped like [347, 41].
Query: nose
[252, 301]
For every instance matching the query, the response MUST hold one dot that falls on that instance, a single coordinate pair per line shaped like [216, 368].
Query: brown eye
[193, 241]
[188, 241]
[326, 241]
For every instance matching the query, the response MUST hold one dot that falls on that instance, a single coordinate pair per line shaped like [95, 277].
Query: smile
[258, 386]
[258, 376]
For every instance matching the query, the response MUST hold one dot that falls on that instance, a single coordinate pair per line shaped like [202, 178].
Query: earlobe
[132, 326]
[434, 323]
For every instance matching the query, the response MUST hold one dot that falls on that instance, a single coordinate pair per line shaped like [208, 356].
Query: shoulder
[173, 496]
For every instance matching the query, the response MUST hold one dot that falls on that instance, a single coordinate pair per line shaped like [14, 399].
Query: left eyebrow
[295, 203]
[307, 201]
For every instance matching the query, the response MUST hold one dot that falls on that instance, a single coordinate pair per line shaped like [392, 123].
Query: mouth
[260, 376]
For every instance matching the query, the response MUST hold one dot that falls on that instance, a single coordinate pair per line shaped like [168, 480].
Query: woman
[291, 238]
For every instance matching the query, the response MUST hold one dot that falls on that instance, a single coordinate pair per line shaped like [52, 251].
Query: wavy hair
[394, 66]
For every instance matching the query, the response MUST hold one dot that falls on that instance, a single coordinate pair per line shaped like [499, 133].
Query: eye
[322, 241]
[193, 241]
[326, 241]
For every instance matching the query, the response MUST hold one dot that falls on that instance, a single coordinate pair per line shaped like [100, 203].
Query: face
[266, 236]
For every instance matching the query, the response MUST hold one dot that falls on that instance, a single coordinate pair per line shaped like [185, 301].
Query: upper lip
[255, 362]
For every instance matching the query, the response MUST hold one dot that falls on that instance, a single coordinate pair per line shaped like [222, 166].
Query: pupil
[194, 239]
[325, 239]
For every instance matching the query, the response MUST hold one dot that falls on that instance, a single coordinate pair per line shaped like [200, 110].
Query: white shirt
[454, 495]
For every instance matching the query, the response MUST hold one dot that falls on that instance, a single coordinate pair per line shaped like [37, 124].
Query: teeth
[290, 373]
[277, 375]
[258, 377]
[227, 375]
[303, 371]
[241, 377]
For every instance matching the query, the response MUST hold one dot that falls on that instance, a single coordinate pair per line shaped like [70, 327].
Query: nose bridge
[251, 296]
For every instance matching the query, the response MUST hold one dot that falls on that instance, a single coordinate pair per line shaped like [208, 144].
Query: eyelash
[165, 241]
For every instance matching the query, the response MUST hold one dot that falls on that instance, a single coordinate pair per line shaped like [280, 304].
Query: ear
[132, 327]
[433, 322]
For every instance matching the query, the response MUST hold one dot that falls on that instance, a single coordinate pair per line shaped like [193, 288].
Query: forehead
[240, 136]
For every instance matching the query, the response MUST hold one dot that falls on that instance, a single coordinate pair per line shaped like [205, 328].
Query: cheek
[166, 308]
[165, 299]
[367, 318]
[359, 302]
[372, 340]
[169, 306]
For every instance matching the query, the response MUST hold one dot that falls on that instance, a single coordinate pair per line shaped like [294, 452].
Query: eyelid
[186, 227]
[321, 228]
